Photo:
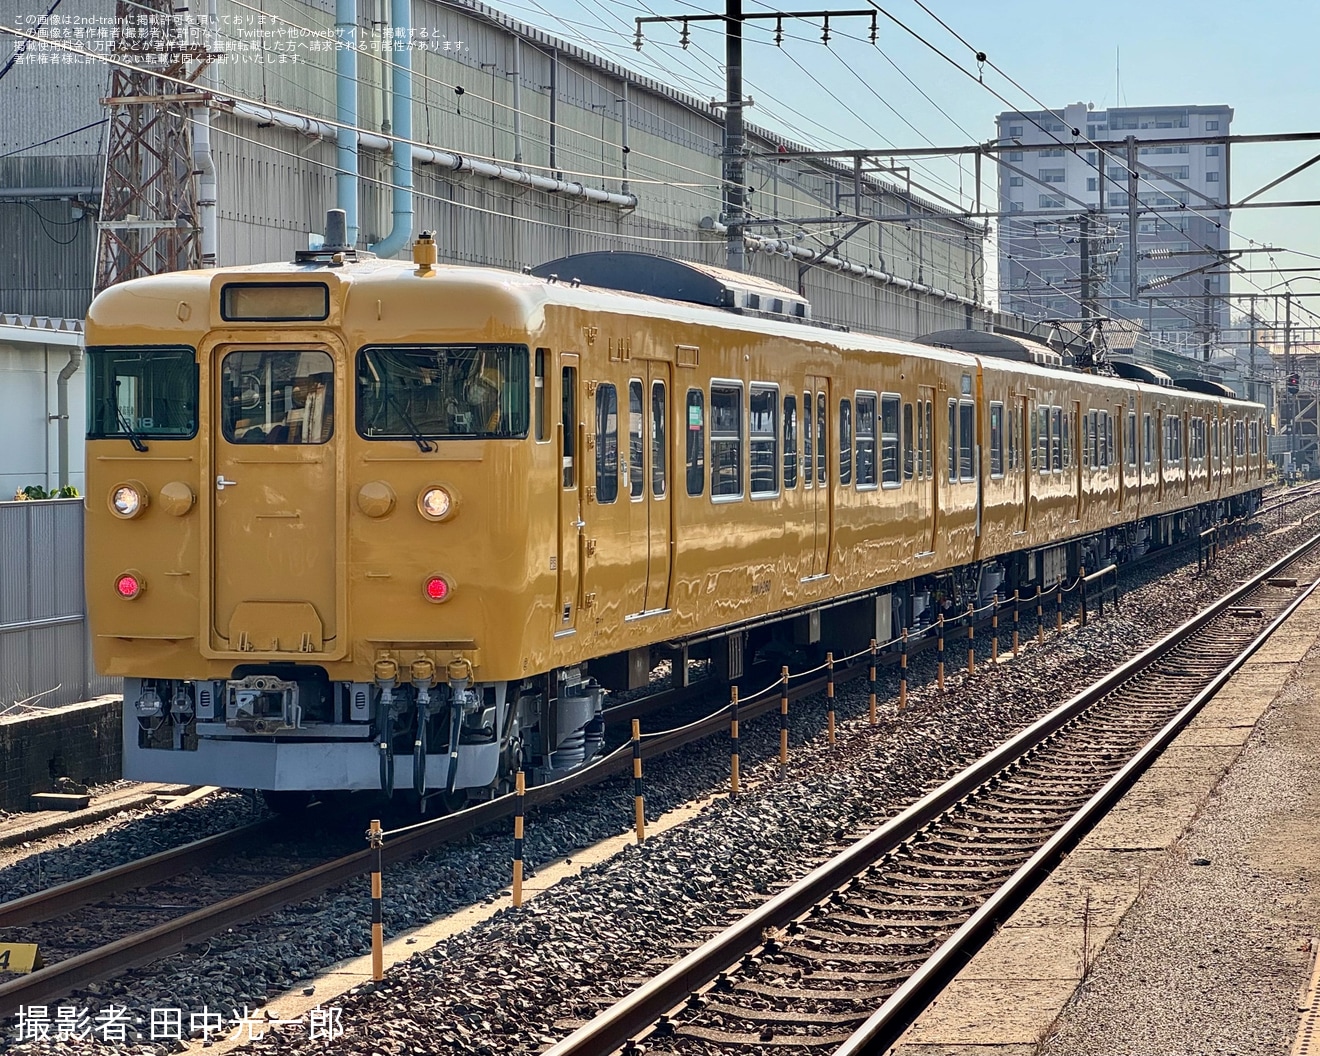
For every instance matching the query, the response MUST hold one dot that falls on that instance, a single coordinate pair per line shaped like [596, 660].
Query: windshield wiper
[414, 434]
[133, 438]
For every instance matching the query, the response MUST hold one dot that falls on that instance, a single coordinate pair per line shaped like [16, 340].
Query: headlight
[435, 503]
[128, 499]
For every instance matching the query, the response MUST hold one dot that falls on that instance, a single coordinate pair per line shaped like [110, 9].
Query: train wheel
[286, 802]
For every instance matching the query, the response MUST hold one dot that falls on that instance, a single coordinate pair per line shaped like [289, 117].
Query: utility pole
[1251, 354]
[1287, 370]
[735, 171]
[1085, 228]
[735, 141]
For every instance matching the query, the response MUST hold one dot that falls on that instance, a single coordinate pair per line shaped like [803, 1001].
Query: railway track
[164, 938]
[843, 960]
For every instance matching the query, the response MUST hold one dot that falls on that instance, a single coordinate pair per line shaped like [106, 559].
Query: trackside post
[376, 841]
[519, 789]
[639, 796]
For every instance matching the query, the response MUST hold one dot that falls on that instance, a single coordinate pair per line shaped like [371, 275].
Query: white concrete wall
[29, 451]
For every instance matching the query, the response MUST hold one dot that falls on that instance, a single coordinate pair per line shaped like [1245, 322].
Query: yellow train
[362, 524]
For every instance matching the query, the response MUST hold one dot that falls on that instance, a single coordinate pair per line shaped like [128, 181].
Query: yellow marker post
[639, 797]
[1017, 609]
[971, 639]
[783, 719]
[939, 646]
[829, 697]
[902, 672]
[871, 700]
[994, 631]
[519, 789]
[376, 841]
[733, 737]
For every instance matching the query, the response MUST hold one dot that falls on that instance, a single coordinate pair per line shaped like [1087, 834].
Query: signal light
[128, 585]
[436, 588]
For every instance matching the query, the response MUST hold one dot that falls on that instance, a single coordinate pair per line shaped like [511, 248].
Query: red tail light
[128, 585]
[436, 588]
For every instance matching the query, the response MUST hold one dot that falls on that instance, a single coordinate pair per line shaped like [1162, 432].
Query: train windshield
[442, 392]
[141, 392]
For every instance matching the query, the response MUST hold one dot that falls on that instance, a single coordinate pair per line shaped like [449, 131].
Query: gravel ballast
[512, 983]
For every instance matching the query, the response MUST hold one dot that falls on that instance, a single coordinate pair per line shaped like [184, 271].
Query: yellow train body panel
[651, 493]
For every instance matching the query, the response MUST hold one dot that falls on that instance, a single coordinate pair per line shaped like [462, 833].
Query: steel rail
[902, 1007]
[42, 905]
[635, 1013]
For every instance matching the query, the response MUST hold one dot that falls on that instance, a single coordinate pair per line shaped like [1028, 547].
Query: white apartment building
[1064, 182]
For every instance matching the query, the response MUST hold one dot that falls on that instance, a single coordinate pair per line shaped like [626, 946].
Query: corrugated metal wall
[45, 655]
[275, 184]
[48, 243]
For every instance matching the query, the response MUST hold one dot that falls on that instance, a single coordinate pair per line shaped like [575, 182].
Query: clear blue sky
[1259, 59]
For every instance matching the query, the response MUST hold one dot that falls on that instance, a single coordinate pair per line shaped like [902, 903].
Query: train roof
[682, 291]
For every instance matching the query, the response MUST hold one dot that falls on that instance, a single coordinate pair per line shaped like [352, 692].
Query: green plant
[36, 491]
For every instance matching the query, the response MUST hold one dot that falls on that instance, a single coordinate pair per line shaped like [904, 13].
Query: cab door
[276, 540]
[820, 500]
[659, 507]
[645, 478]
[569, 439]
[926, 459]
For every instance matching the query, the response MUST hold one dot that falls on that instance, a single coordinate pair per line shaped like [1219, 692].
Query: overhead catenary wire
[1102, 155]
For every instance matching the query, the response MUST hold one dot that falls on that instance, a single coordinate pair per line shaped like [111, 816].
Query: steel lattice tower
[148, 220]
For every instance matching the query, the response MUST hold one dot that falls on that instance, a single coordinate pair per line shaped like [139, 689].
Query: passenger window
[659, 450]
[821, 474]
[1067, 439]
[845, 441]
[696, 442]
[966, 440]
[1148, 445]
[889, 439]
[607, 444]
[953, 441]
[790, 442]
[1056, 439]
[1131, 438]
[907, 441]
[865, 441]
[996, 439]
[763, 423]
[807, 444]
[929, 446]
[635, 483]
[1043, 439]
[568, 425]
[726, 440]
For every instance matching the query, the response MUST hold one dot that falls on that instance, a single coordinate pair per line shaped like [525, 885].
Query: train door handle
[221, 483]
[579, 524]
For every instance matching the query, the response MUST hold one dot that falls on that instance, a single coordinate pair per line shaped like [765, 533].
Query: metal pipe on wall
[517, 101]
[346, 113]
[309, 126]
[401, 167]
[203, 163]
